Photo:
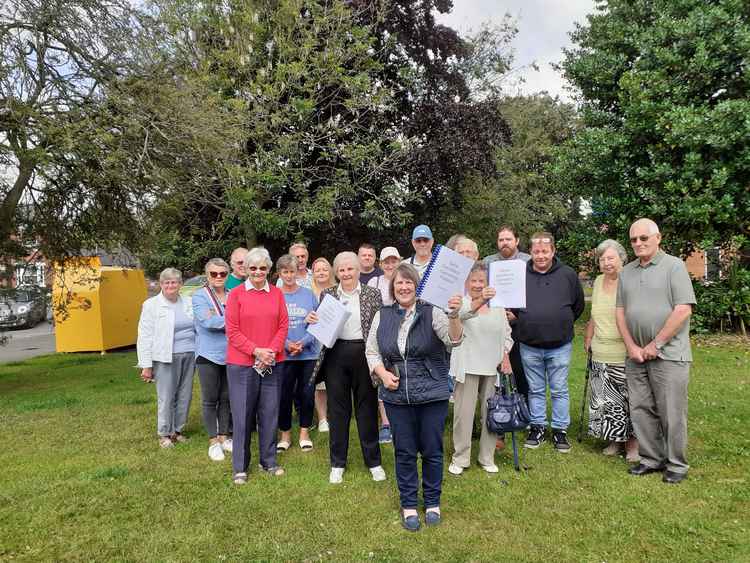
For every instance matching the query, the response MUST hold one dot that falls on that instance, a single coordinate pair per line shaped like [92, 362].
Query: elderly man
[367, 267]
[554, 300]
[422, 241]
[304, 275]
[237, 262]
[654, 303]
[507, 246]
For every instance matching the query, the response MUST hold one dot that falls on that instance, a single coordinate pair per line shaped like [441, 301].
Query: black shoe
[560, 441]
[641, 469]
[673, 478]
[535, 438]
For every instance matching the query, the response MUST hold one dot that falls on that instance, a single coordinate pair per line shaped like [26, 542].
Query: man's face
[301, 255]
[238, 265]
[422, 246]
[366, 259]
[644, 245]
[507, 243]
[542, 254]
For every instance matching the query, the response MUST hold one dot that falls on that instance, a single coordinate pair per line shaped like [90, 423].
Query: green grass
[82, 478]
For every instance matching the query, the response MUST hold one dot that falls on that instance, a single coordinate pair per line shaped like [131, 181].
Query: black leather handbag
[506, 409]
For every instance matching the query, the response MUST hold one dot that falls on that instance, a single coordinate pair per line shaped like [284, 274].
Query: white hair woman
[609, 412]
[166, 355]
[344, 370]
[256, 326]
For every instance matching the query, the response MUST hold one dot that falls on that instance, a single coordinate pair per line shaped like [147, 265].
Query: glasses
[258, 268]
[642, 238]
[421, 240]
[218, 274]
[545, 240]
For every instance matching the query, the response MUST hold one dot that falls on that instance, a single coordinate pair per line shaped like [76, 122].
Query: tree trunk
[10, 203]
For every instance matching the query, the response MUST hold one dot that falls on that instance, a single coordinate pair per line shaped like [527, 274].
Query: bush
[723, 305]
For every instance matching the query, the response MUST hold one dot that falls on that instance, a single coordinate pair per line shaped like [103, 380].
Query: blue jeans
[544, 366]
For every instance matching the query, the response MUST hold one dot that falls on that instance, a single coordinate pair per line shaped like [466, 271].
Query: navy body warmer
[424, 366]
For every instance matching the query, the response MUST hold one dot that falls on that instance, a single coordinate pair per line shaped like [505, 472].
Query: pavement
[27, 343]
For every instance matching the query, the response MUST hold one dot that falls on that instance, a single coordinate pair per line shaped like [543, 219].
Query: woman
[166, 355]
[301, 353]
[406, 350]
[322, 279]
[608, 406]
[210, 356]
[256, 324]
[344, 369]
[474, 365]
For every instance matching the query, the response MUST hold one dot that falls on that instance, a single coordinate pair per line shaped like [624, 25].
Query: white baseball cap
[389, 251]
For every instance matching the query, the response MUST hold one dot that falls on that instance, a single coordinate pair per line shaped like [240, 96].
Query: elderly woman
[210, 356]
[344, 369]
[608, 406]
[256, 325]
[301, 354]
[406, 350]
[474, 364]
[166, 355]
[322, 279]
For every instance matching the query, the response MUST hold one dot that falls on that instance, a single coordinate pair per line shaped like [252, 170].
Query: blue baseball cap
[421, 231]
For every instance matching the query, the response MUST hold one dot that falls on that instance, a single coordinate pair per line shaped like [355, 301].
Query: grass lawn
[82, 478]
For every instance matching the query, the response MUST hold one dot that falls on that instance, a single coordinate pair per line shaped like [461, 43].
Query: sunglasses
[218, 274]
[421, 240]
[258, 268]
[544, 240]
[642, 238]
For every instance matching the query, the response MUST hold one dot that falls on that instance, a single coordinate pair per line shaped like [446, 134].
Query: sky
[543, 27]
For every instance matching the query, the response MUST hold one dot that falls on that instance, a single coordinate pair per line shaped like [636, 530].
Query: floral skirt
[609, 414]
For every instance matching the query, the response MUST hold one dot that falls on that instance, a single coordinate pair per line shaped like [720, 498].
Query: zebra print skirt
[609, 414]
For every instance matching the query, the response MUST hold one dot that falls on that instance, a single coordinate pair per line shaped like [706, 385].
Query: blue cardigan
[210, 340]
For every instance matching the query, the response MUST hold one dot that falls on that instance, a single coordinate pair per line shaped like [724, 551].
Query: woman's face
[348, 274]
[257, 273]
[404, 290]
[288, 277]
[610, 263]
[389, 266]
[477, 282]
[170, 288]
[216, 276]
[322, 274]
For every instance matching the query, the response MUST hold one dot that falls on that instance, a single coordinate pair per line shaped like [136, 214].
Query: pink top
[255, 319]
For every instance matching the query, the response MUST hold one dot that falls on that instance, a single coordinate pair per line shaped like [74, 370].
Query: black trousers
[517, 365]
[348, 380]
[217, 416]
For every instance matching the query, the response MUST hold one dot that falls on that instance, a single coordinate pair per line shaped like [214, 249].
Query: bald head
[650, 226]
[237, 261]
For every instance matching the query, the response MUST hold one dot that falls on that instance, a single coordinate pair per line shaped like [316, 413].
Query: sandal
[240, 479]
[282, 446]
[274, 471]
[166, 442]
[306, 445]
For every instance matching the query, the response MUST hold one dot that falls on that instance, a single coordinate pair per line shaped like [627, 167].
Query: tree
[665, 100]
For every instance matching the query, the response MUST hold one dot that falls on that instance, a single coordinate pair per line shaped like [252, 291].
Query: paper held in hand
[508, 277]
[332, 316]
[445, 277]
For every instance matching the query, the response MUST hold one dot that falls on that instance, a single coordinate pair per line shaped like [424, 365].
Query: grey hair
[479, 266]
[298, 244]
[286, 262]
[258, 256]
[170, 274]
[343, 257]
[454, 240]
[616, 246]
[653, 228]
[216, 262]
[467, 242]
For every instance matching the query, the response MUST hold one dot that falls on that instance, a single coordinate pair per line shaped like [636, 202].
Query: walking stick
[583, 403]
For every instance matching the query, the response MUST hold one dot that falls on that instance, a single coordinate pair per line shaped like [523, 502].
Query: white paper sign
[445, 277]
[508, 277]
[332, 316]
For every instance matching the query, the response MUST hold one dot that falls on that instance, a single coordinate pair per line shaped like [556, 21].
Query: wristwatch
[658, 344]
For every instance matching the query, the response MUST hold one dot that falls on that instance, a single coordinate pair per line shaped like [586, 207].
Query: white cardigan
[156, 330]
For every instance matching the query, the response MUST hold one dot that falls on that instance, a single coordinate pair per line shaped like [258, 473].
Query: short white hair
[258, 256]
[342, 257]
[170, 274]
[653, 228]
[467, 242]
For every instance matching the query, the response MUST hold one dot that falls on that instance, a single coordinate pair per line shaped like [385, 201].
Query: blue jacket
[210, 340]
[423, 369]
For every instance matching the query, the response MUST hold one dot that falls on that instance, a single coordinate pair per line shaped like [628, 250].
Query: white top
[353, 327]
[384, 285]
[421, 268]
[486, 339]
[249, 286]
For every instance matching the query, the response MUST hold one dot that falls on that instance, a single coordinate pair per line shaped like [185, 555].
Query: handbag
[506, 409]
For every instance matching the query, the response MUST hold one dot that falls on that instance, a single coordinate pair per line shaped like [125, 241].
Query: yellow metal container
[96, 307]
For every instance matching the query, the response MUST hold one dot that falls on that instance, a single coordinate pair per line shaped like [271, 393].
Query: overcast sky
[543, 27]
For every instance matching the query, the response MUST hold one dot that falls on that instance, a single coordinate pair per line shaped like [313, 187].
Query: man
[554, 300]
[654, 303]
[367, 267]
[422, 242]
[507, 246]
[304, 275]
[237, 263]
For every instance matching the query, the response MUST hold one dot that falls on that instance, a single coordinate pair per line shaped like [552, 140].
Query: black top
[364, 278]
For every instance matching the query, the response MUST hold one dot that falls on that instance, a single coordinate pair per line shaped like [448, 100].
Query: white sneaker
[378, 473]
[336, 476]
[455, 469]
[215, 452]
[226, 445]
[323, 426]
[490, 468]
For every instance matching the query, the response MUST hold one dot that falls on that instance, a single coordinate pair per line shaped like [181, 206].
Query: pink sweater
[255, 319]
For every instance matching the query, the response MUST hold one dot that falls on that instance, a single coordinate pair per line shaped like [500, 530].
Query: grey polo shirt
[649, 294]
[497, 256]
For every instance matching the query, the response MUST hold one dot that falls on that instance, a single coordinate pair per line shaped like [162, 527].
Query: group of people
[400, 360]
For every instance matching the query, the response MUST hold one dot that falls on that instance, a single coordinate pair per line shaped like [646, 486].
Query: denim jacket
[211, 340]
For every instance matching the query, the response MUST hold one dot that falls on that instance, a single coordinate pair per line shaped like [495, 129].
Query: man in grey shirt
[655, 299]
